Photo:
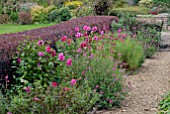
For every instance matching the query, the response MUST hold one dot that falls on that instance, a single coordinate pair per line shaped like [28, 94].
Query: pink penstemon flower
[69, 62]
[36, 99]
[40, 42]
[119, 31]
[40, 54]
[61, 57]
[76, 29]
[53, 53]
[54, 84]
[95, 38]
[78, 35]
[19, 60]
[83, 44]
[73, 82]
[28, 89]
[85, 28]
[94, 29]
[48, 49]
[64, 39]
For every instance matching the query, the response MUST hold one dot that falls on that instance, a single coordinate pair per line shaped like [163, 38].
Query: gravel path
[148, 86]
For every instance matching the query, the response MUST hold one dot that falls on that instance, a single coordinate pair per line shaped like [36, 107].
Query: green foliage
[146, 3]
[57, 100]
[14, 16]
[150, 51]
[119, 4]
[165, 105]
[4, 19]
[133, 10]
[38, 14]
[73, 4]
[65, 14]
[102, 7]
[33, 66]
[131, 52]
[150, 38]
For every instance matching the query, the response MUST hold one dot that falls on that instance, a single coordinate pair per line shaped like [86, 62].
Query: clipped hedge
[9, 42]
[133, 10]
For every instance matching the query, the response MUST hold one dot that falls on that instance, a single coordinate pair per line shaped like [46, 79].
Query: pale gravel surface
[149, 84]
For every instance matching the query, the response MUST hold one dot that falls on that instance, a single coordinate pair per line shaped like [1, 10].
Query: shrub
[101, 7]
[73, 4]
[165, 105]
[24, 18]
[65, 14]
[9, 42]
[130, 52]
[133, 10]
[38, 14]
[119, 4]
[54, 16]
[146, 3]
[37, 62]
[150, 51]
[58, 99]
[4, 18]
[14, 17]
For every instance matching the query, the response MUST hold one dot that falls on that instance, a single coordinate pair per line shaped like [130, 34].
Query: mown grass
[13, 28]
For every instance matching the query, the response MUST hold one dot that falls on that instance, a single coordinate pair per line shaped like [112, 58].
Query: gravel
[148, 86]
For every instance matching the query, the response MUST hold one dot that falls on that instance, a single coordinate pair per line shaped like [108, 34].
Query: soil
[148, 86]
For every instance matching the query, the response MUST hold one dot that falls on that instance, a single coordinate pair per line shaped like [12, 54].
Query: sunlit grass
[13, 28]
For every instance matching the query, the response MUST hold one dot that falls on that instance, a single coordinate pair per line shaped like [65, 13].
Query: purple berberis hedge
[9, 42]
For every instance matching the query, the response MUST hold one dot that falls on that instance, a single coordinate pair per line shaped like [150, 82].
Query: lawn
[13, 28]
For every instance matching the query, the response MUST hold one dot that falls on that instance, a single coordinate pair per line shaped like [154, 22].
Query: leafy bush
[37, 62]
[119, 4]
[133, 10]
[102, 7]
[65, 14]
[146, 3]
[38, 14]
[24, 18]
[73, 4]
[130, 52]
[57, 100]
[9, 42]
[165, 105]
[150, 38]
[4, 18]
[14, 16]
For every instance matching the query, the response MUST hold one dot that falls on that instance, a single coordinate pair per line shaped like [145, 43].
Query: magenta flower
[85, 28]
[27, 89]
[76, 29]
[40, 42]
[102, 32]
[101, 93]
[78, 35]
[94, 29]
[95, 38]
[91, 56]
[64, 39]
[114, 68]
[48, 49]
[40, 54]
[78, 50]
[119, 31]
[110, 101]
[113, 74]
[54, 84]
[73, 82]
[69, 62]
[9, 112]
[53, 53]
[88, 28]
[97, 86]
[19, 60]
[36, 99]
[61, 57]
[83, 44]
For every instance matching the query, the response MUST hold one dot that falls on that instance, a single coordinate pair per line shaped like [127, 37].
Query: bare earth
[148, 86]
